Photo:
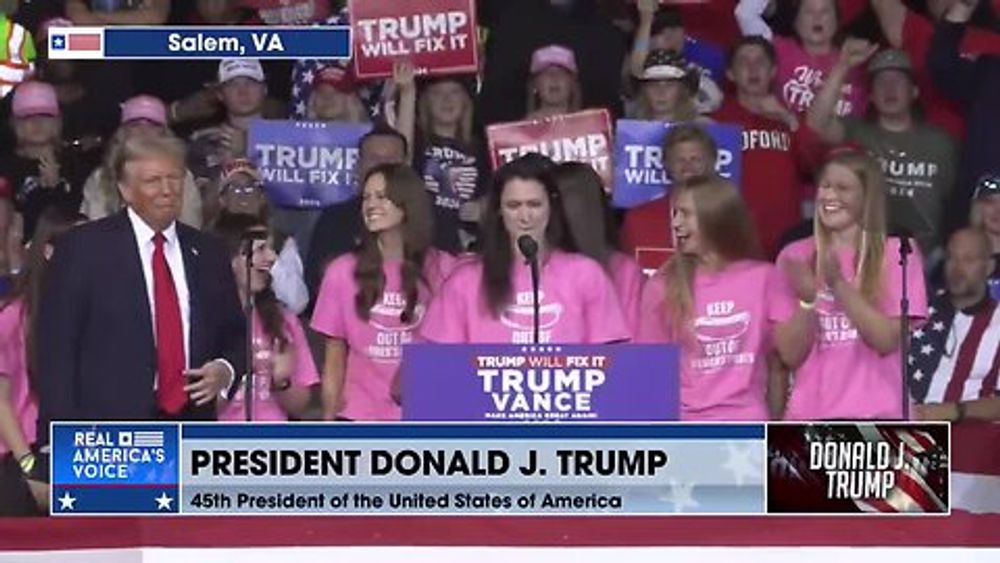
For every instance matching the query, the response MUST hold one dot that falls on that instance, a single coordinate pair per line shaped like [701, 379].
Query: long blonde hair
[725, 225]
[870, 246]
[575, 102]
[685, 111]
[425, 126]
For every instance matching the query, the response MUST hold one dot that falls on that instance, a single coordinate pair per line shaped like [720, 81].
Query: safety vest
[17, 54]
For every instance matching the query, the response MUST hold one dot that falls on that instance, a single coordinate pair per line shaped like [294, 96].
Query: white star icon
[931, 310]
[296, 90]
[308, 77]
[918, 375]
[911, 360]
[300, 107]
[163, 501]
[67, 501]
[740, 460]
[918, 334]
[939, 326]
[680, 495]
[926, 349]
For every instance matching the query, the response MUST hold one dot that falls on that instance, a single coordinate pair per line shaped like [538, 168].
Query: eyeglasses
[987, 185]
[243, 189]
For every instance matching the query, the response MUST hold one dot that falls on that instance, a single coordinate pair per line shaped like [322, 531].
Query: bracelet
[807, 305]
[960, 410]
[27, 463]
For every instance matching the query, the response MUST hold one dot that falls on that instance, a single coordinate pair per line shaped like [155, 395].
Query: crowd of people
[137, 232]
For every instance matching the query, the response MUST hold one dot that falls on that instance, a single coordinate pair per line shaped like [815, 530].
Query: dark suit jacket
[97, 357]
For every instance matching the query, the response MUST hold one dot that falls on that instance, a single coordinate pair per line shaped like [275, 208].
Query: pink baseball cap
[145, 107]
[553, 55]
[35, 98]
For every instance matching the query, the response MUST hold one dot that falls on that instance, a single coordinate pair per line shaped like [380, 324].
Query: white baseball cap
[235, 68]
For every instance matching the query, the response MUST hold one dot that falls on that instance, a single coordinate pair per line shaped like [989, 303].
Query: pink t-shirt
[627, 279]
[577, 305]
[724, 358]
[801, 75]
[375, 346]
[844, 378]
[14, 367]
[304, 373]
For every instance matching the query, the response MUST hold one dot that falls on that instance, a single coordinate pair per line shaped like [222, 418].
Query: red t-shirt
[917, 34]
[770, 181]
[647, 226]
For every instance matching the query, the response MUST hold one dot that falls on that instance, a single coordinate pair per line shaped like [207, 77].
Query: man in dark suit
[139, 317]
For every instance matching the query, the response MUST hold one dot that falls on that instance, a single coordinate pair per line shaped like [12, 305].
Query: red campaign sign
[437, 36]
[650, 258]
[574, 137]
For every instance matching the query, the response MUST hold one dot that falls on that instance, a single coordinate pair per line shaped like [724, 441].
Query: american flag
[916, 488]
[305, 69]
[955, 356]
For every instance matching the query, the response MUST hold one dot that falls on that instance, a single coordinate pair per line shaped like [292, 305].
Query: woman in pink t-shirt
[592, 225]
[18, 406]
[371, 300]
[715, 299]
[283, 367]
[805, 60]
[491, 300]
[844, 285]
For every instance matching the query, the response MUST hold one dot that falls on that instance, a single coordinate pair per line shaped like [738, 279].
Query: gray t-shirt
[919, 167]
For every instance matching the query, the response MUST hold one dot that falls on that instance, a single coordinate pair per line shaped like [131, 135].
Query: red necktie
[170, 395]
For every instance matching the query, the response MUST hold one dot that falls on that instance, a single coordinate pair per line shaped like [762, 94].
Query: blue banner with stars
[115, 468]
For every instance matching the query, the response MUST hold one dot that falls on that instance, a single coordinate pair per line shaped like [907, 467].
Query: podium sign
[545, 383]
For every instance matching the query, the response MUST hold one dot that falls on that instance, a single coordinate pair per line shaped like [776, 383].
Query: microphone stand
[248, 310]
[533, 262]
[904, 324]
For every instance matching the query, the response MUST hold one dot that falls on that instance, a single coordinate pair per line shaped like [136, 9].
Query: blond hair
[870, 246]
[725, 225]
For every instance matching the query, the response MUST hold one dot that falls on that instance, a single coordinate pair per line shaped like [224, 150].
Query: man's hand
[208, 382]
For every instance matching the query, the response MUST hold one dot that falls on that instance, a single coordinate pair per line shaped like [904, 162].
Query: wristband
[960, 410]
[27, 463]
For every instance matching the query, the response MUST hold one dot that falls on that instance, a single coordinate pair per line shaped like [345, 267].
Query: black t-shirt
[31, 198]
[454, 173]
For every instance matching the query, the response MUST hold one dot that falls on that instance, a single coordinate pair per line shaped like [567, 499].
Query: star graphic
[680, 496]
[296, 90]
[740, 461]
[58, 42]
[308, 77]
[300, 107]
[931, 310]
[163, 501]
[911, 360]
[939, 326]
[926, 349]
[918, 334]
[918, 375]
[67, 501]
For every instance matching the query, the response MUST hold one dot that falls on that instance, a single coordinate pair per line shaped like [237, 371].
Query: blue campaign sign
[640, 175]
[268, 42]
[501, 382]
[100, 468]
[306, 164]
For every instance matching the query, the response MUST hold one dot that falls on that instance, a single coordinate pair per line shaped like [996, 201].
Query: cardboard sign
[306, 164]
[436, 36]
[584, 136]
[640, 173]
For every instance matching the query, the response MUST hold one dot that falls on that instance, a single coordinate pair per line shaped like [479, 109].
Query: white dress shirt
[175, 261]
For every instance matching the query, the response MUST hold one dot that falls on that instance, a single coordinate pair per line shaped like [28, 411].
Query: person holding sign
[668, 89]
[283, 368]
[491, 299]
[372, 300]
[554, 88]
[716, 299]
[844, 287]
[592, 224]
[689, 151]
[446, 153]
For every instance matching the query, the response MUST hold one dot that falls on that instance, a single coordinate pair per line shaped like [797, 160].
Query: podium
[540, 383]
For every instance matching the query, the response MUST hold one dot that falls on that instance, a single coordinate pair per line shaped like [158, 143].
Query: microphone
[905, 236]
[529, 248]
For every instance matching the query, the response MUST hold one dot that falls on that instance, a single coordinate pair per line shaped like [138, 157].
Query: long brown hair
[588, 214]
[497, 251]
[407, 191]
[27, 289]
[725, 226]
[870, 246]
[575, 102]
[230, 228]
